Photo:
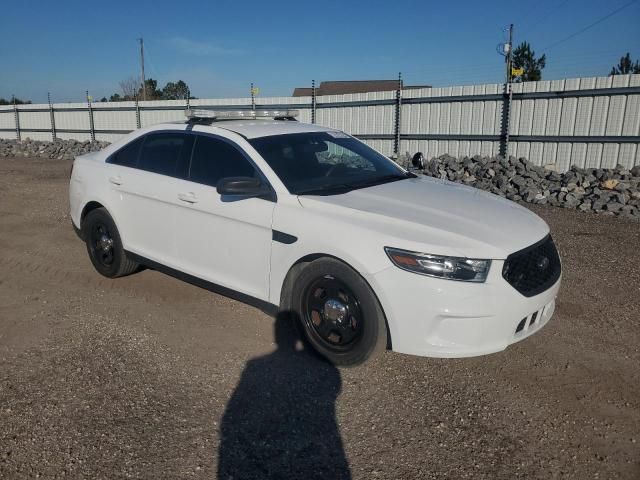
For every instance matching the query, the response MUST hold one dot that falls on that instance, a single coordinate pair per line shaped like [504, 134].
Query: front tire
[104, 245]
[339, 314]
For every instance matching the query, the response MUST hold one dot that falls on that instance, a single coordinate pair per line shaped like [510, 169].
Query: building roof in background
[341, 87]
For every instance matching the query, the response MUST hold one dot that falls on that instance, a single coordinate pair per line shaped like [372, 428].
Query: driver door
[226, 241]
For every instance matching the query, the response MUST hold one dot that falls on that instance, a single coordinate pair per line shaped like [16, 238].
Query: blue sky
[219, 47]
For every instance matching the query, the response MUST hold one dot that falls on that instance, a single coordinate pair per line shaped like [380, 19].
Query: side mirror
[242, 186]
[418, 161]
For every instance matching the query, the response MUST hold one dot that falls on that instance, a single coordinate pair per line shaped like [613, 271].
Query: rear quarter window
[127, 156]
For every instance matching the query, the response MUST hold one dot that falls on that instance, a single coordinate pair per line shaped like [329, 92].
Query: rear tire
[338, 312]
[104, 245]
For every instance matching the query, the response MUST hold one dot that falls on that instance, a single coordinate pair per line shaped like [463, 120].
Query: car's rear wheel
[339, 313]
[104, 245]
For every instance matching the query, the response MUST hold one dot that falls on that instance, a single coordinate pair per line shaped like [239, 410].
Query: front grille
[533, 269]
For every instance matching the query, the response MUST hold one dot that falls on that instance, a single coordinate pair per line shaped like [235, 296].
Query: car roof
[264, 128]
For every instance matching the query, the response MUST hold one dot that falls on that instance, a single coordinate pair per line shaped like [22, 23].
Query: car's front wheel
[104, 245]
[339, 313]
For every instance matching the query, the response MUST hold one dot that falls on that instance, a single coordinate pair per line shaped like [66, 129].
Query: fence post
[53, 118]
[396, 140]
[17, 119]
[504, 121]
[93, 132]
[313, 101]
[138, 123]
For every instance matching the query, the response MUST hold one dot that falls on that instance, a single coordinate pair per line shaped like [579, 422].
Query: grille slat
[534, 269]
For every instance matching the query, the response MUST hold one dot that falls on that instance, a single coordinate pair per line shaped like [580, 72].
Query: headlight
[451, 268]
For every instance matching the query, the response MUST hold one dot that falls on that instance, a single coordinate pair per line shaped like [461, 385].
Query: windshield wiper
[347, 187]
[383, 179]
[327, 190]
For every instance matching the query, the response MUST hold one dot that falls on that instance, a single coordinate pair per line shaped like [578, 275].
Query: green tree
[175, 91]
[17, 101]
[525, 58]
[115, 98]
[626, 66]
[151, 90]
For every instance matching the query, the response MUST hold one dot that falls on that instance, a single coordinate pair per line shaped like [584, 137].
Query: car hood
[436, 216]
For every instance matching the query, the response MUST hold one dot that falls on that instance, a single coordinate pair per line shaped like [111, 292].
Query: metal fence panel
[114, 120]
[585, 121]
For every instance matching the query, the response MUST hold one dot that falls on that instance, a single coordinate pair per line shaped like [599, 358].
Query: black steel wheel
[332, 313]
[104, 245]
[340, 316]
[101, 244]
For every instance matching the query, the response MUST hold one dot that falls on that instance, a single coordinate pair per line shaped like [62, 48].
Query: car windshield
[325, 163]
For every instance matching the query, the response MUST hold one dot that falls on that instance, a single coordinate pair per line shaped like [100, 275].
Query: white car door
[145, 202]
[226, 241]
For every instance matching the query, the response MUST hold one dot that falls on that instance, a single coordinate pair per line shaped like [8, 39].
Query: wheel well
[88, 208]
[290, 278]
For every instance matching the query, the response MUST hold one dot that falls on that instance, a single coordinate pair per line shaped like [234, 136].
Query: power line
[584, 29]
[542, 18]
[488, 69]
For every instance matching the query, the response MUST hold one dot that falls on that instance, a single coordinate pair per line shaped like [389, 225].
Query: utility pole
[508, 49]
[144, 90]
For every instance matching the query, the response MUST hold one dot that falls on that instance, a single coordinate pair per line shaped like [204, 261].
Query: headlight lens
[451, 268]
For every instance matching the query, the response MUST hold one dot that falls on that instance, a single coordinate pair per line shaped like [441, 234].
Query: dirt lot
[148, 377]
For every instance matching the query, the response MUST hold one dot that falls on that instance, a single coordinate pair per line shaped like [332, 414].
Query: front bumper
[444, 318]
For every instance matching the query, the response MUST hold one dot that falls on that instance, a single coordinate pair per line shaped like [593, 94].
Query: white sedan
[307, 220]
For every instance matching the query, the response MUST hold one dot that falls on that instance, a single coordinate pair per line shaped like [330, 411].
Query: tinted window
[325, 163]
[127, 156]
[214, 159]
[165, 153]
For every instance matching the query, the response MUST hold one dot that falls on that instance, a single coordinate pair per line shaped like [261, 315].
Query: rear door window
[128, 155]
[214, 159]
[166, 154]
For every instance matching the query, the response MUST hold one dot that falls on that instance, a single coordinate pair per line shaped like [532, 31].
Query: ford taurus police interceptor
[310, 221]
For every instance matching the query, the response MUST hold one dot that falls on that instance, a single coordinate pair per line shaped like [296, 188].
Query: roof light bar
[195, 113]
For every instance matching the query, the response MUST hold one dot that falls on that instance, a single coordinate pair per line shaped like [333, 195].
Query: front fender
[319, 235]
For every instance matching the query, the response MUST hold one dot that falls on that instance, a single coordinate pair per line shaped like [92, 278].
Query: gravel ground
[148, 377]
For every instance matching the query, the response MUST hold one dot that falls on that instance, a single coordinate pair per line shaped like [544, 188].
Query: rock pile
[607, 191]
[60, 149]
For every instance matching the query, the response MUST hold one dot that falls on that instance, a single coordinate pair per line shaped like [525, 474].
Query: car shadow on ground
[280, 421]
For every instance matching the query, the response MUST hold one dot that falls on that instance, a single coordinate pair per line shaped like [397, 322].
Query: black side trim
[282, 237]
[266, 307]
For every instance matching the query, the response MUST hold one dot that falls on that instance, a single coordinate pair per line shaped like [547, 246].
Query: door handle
[188, 197]
[115, 180]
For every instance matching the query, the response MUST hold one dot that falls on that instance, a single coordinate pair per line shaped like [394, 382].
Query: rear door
[145, 178]
[225, 240]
